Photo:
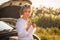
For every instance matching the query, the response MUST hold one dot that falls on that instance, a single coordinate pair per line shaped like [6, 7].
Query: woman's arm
[21, 30]
[28, 25]
[31, 27]
[34, 25]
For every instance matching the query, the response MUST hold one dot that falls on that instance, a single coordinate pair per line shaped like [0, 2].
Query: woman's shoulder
[19, 20]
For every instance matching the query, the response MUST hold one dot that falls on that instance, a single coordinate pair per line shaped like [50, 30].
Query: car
[8, 19]
[8, 30]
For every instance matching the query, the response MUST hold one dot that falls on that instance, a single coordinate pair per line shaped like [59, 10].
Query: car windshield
[4, 26]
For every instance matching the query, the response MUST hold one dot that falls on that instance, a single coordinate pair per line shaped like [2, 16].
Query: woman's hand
[34, 25]
[28, 25]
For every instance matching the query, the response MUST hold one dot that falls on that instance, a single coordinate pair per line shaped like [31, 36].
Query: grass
[52, 33]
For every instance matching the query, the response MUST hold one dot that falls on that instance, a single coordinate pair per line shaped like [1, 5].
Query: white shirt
[21, 29]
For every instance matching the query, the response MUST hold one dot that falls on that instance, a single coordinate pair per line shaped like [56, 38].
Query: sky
[37, 3]
[47, 3]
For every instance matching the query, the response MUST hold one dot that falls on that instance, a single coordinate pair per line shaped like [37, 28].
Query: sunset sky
[37, 3]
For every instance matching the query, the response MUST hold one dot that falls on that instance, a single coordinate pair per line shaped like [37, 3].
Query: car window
[4, 26]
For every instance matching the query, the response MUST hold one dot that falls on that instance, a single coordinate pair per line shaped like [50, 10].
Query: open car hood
[10, 9]
[9, 12]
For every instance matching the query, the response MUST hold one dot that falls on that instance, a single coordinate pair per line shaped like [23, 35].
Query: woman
[25, 27]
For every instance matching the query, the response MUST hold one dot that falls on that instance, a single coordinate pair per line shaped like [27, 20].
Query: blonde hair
[22, 8]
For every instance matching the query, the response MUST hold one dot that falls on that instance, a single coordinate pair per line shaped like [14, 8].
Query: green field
[48, 23]
[52, 33]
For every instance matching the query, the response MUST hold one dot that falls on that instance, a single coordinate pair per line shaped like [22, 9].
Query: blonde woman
[25, 27]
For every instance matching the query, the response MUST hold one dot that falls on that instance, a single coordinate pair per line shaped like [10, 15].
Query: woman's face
[26, 13]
